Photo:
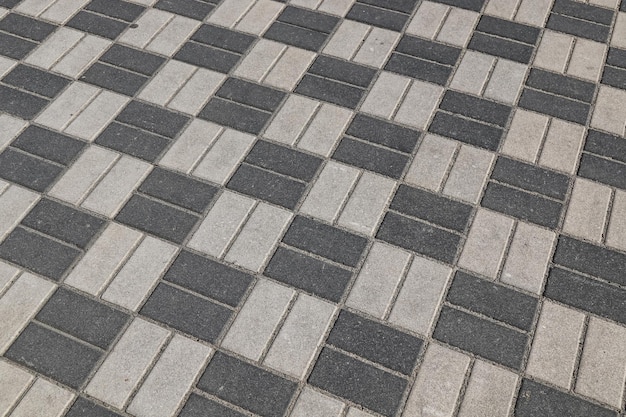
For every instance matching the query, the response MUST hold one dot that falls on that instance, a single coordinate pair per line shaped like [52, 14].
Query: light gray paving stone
[170, 379]
[385, 95]
[606, 3]
[258, 319]
[533, 12]
[325, 129]
[117, 185]
[330, 191]
[224, 157]
[458, 26]
[504, 9]
[144, 2]
[62, 10]
[191, 145]
[314, 404]
[602, 371]
[367, 203]
[555, 345]
[19, 304]
[148, 25]
[506, 81]
[428, 19]
[7, 275]
[120, 373]
[13, 383]
[431, 162]
[257, 63]
[355, 412]
[554, 51]
[616, 234]
[81, 56]
[309, 4]
[619, 32]
[419, 104]
[258, 236]
[197, 91]
[472, 73]
[376, 284]
[3, 12]
[562, 147]
[229, 12]
[336, 7]
[3, 186]
[6, 64]
[43, 399]
[486, 242]
[587, 210]
[140, 273]
[15, 202]
[77, 181]
[489, 392]
[55, 47]
[11, 127]
[438, 383]
[469, 173]
[587, 59]
[377, 47]
[97, 267]
[609, 113]
[33, 7]
[419, 298]
[173, 35]
[65, 107]
[291, 119]
[347, 39]
[528, 257]
[166, 83]
[289, 68]
[221, 224]
[259, 17]
[298, 339]
[525, 135]
[97, 115]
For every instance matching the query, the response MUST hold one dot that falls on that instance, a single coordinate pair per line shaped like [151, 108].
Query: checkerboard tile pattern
[333, 208]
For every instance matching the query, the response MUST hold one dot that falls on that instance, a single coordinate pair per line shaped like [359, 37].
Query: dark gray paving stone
[467, 131]
[14, 47]
[198, 406]
[606, 171]
[308, 274]
[493, 300]
[507, 29]
[475, 108]
[117, 9]
[189, 8]
[330, 91]
[83, 318]
[607, 145]
[481, 337]
[9, 4]
[251, 94]
[114, 79]
[561, 85]
[384, 133]
[48, 144]
[432, 51]
[561, 107]
[419, 68]
[152, 118]
[37, 253]
[375, 342]
[247, 386]
[223, 38]
[588, 294]
[622, 7]
[186, 312]
[308, 19]
[209, 278]
[474, 5]
[132, 59]
[85, 408]
[178, 189]
[97, 24]
[530, 177]
[615, 77]
[404, 6]
[538, 400]
[324, 240]
[156, 218]
[522, 205]
[267, 186]
[359, 382]
[63, 222]
[583, 11]
[379, 17]
[20, 104]
[36, 81]
[27, 171]
[419, 237]
[26, 27]
[431, 207]
[616, 57]
[54, 355]
[283, 160]
[207, 57]
[576, 27]
[296, 36]
[348, 72]
[373, 158]
[230, 114]
[500, 47]
[132, 141]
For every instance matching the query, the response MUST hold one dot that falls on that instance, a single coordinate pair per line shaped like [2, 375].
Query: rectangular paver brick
[431, 162]
[419, 104]
[224, 156]
[587, 211]
[325, 129]
[468, 174]
[54, 48]
[167, 82]
[62, 110]
[177, 31]
[562, 146]
[148, 25]
[196, 92]
[258, 62]
[490, 391]
[289, 68]
[347, 39]
[473, 72]
[97, 115]
[291, 119]
[428, 19]
[506, 81]
[14, 381]
[44, 399]
[554, 51]
[315, 404]
[525, 135]
[616, 234]
[15, 202]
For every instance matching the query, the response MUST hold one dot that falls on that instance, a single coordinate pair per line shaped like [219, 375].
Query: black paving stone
[267, 186]
[97, 24]
[153, 119]
[198, 406]
[223, 38]
[189, 8]
[507, 29]
[501, 47]
[474, 5]
[530, 177]
[603, 170]
[467, 131]
[85, 408]
[283, 160]
[561, 85]
[561, 107]
[14, 47]
[419, 68]
[607, 145]
[330, 91]
[296, 36]
[616, 57]
[27, 170]
[384, 133]
[132, 59]
[577, 27]
[247, 386]
[359, 382]
[114, 79]
[475, 108]
[20, 104]
[324, 240]
[308, 274]
[178, 189]
[26, 27]
[583, 11]
[234, 115]
[419, 237]
[186, 312]
[432, 51]
[132, 141]
[373, 158]
[615, 77]
[9, 4]
[209, 278]
[493, 300]
[36, 81]
[207, 57]
[156, 218]
[83, 318]
[522, 205]
[347, 72]
[375, 342]
[251, 94]
[63, 222]
[538, 400]
[379, 17]
[54, 355]
[48, 144]
[308, 19]
[481, 337]
[116, 8]
[431, 207]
